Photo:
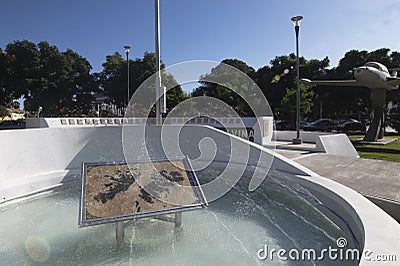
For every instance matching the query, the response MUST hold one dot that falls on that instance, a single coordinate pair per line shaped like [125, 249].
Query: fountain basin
[58, 161]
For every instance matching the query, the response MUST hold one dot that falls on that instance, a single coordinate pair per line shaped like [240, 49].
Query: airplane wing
[392, 81]
[351, 82]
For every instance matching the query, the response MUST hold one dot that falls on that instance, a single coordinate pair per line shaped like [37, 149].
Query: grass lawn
[389, 152]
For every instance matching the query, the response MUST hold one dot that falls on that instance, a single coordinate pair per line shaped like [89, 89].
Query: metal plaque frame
[194, 182]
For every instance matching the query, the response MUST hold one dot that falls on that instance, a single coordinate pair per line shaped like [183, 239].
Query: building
[14, 114]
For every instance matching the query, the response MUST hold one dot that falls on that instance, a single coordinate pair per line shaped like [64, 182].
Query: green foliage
[114, 78]
[3, 111]
[275, 80]
[60, 82]
[287, 108]
[6, 95]
[230, 86]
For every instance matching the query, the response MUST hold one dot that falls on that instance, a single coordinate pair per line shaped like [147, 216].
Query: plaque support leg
[178, 219]
[120, 231]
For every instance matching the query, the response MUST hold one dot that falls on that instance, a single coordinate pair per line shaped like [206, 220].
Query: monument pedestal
[297, 141]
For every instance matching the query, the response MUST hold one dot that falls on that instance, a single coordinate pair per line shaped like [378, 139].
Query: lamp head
[127, 47]
[296, 20]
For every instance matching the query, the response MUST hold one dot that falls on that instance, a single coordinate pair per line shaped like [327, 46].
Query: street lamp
[40, 109]
[296, 20]
[127, 47]
[158, 61]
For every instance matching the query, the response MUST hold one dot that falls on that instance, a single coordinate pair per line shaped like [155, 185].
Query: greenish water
[43, 230]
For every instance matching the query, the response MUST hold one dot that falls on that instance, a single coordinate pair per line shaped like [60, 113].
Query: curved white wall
[35, 159]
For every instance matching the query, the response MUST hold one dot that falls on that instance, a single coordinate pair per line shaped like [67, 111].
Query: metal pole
[158, 62]
[297, 28]
[127, 47]
[127, 63]
[120, 231]
[296, 21]
[320, 109]
[178, 219]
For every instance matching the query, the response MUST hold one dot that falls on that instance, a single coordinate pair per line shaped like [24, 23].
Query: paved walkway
[377, 180]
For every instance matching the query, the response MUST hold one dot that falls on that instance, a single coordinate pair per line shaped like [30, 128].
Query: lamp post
[40, 109]
[158, 61]
[296, 20]
[127, 47]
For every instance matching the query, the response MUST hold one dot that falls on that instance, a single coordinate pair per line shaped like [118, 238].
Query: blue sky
[254, 31]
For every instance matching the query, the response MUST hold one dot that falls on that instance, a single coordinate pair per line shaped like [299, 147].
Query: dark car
[351, 126]
[320, 125]
[303, 124]
[282, 125]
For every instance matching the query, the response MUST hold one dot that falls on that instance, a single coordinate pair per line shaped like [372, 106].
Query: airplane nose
[356, 71]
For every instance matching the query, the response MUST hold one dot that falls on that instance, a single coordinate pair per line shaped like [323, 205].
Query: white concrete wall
[35, 159]
[306, 136]
[329, 143]
[32, 159]
[337, 144]
[262, 126]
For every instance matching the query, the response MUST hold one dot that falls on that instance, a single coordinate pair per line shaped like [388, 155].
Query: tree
[16, 105]
[63, 86]
[60, 82]
[3, 112]
[114, 78]
[79, 84]
[275, 80]
[6, 95]
[288, 104]
[229, 86]
[47, 89]
[22, 65]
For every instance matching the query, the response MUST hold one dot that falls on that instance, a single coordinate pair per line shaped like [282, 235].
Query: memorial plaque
[113, 192]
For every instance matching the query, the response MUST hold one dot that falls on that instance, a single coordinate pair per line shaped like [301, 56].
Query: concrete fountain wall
[35, 159]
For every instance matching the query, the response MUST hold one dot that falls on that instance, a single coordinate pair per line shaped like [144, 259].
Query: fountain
[292, 208]
[43, 228]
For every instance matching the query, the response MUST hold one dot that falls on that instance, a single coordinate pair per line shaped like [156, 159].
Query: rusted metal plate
[113, 192]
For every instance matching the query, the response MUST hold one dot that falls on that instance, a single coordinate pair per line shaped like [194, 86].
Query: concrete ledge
[12, 189]
[257, 129]
[389, 206]
[306, 136]
[337, 144]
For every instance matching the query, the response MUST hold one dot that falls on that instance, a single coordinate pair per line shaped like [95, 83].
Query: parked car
[320, 125]
[282, 125]
[303, 124]
[351, 126]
